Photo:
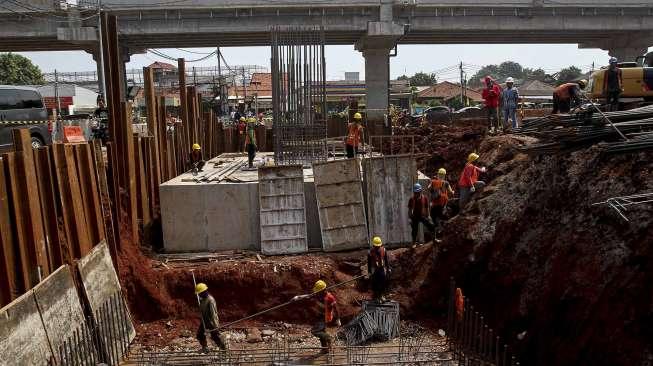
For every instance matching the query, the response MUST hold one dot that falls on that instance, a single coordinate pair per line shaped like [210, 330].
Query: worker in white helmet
[509, 102]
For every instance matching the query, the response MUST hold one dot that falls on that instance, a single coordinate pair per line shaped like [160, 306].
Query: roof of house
[535, 87]
[447, 90]
[162, 66]
[261, 84]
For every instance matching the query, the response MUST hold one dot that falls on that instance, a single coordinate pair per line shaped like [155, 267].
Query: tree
[423, 79]
[498, 72]
[403, 77]
[568, 74]
[18, 70]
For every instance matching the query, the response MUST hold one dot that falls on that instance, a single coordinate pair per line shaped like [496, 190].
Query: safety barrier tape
[23, 122]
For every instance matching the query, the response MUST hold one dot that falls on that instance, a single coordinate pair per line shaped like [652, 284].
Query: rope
[283, 305]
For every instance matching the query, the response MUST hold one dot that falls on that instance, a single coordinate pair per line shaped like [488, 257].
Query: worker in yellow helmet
[209, 319]
[327, 326]
[354, 135]
[468, 182]
[250, 141]
[378, 269]
[440, 192]
[196, 160]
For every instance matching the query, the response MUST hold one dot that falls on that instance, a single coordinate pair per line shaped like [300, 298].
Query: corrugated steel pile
[560, 133]
[376, 321]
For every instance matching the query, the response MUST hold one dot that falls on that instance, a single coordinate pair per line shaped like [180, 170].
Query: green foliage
[568, 74]
[420, 79]
[18, 70]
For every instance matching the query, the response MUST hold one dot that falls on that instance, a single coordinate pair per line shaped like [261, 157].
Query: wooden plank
[10, 286]
[183, 105]
[114, 192]
[339, 195]
[143, 200]
[105, 200]
[33, 224]
[47, 183]
[153, 183]
[162, 125]
[282, 210]
[127, 157]
[65, 204]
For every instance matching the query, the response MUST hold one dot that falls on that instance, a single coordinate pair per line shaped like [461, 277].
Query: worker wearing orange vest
[468, 182]
[418, 212]
[378, 269]
[440, 192]
[329, 322]
[354, 135]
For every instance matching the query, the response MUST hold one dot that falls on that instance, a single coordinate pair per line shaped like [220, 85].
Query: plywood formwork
[338, 189]
[282, 210]
[23, 340]
[388, 182]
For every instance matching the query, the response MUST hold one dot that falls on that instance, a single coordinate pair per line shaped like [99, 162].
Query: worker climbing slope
[327, 325]
[440, 192]
[209, 319]
[468, 182]
[378, 269]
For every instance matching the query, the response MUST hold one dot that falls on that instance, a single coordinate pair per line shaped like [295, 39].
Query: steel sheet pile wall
[298, 95]
[283, 211]
[339, 193]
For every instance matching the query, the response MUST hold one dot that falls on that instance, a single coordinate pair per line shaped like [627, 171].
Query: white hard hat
[510, 80]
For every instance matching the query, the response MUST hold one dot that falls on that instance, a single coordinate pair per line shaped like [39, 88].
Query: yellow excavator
[637, 80]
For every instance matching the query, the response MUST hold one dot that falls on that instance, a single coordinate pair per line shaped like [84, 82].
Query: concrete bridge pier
[624, 48]
[376, 46]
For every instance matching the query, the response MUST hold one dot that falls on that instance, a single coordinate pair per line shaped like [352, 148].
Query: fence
[471, 340]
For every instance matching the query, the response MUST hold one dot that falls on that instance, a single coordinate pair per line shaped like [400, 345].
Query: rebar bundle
[298, 95]
[561, 133]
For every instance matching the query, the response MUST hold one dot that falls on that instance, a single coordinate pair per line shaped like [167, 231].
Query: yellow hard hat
[377, 241]
[200, 287]
[472, 157]
[582, 83]
[251, 120]
[242, 119]
[358, 116]
[319, 286]
[442, 171]
[196, 147]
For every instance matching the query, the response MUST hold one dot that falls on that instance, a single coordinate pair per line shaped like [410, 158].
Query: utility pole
[223, 102]
[462, 93]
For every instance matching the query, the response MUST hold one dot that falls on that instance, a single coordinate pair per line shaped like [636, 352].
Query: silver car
[22, 107]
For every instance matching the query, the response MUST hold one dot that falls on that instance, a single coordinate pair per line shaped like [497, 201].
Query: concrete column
[377, 87]
[100, 71]
[627, 54]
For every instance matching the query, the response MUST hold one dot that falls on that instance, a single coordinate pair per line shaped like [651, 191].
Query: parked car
[438, 114]
[22, 107]
[470, 112]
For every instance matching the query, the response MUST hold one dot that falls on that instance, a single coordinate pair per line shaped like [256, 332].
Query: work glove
[338, 323]
[472, 189]
[483, 169]
[300, 297]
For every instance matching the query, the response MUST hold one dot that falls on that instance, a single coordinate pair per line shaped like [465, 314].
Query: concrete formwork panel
[23, 340]
[100, 283]
[338, 189]
[59, 305]
[282, 210]
[388, 182]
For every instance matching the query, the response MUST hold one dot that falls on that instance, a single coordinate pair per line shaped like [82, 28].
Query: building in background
[448, 93]
[73, 99]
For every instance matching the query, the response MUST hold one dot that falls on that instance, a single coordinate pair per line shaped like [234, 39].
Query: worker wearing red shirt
[490, 95]
[327, 326]
[468, 182]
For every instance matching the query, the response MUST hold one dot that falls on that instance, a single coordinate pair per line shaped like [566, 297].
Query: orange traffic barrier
[460, 303]
[73, 134]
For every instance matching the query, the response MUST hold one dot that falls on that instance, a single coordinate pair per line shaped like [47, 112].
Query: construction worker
[242, 128]
[418, 212]
[567, 96]
[354, 135]
[196, 160]
[440, 192]
[250, 141]
[468, 182]
[509, 101]
[209, 321]
[378, 268]
[326, 327]
[491, 94]
[613, 85]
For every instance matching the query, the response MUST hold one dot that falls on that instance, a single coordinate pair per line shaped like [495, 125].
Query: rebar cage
[298, 95]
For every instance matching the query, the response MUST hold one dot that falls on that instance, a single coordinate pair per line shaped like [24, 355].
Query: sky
[409, 60]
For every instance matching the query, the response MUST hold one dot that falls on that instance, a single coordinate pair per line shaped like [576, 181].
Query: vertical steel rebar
[505, 355]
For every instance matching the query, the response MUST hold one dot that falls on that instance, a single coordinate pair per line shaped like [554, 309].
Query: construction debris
[621, 204]
[376, 321]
